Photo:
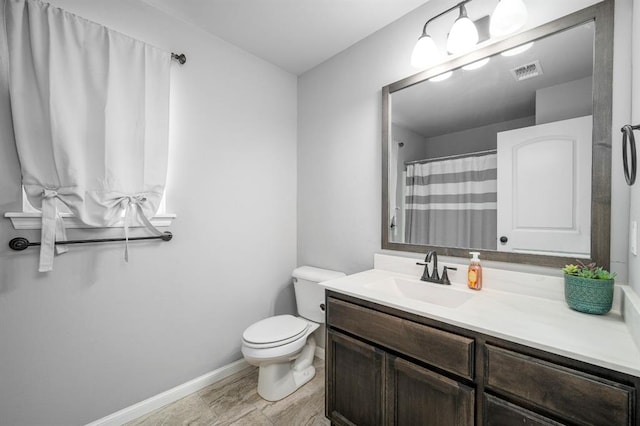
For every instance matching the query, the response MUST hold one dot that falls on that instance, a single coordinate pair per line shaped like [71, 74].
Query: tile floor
[235, 401]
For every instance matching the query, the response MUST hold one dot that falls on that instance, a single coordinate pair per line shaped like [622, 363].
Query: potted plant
[588, 288]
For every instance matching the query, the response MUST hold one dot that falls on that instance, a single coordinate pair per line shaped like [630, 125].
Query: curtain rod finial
[180, 57]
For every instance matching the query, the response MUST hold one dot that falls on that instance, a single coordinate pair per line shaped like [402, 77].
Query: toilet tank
[310, 295]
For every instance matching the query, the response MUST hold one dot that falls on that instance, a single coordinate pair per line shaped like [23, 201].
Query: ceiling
[470, 99]
[295, 35]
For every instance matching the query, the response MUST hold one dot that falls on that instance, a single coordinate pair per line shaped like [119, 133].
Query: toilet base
[280, 379]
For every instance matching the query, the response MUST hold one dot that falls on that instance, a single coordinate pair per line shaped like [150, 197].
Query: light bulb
[463, 35]
[425, 53]
[477, 64]
[508, 17]
[517, 50]
[441, 77]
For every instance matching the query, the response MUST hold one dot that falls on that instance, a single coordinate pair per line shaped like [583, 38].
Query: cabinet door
[418, 396]
[353, 381]
[501, 413]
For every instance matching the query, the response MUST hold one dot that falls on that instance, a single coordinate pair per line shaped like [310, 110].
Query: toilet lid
[275, 329]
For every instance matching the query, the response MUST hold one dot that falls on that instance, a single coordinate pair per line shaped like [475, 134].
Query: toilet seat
[275, 331]
[276, 353]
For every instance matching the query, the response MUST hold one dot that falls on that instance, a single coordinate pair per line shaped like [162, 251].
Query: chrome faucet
[434, 276]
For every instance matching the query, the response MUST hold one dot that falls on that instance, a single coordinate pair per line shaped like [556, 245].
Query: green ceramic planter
[588, 295]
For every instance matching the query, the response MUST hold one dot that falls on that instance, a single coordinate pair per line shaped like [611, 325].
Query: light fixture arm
[457, 6]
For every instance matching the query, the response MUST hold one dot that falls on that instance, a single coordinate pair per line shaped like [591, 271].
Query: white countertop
[531, 316]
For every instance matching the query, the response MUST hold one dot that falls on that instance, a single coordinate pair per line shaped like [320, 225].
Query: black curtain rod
[180, 57]
[20, 243]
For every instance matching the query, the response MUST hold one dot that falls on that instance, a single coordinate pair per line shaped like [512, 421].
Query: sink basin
[435, 294]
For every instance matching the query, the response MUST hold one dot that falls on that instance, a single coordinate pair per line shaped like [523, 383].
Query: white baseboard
[148, 405]
[172, 395]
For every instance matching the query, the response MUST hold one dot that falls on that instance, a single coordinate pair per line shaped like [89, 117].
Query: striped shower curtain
[452, 202]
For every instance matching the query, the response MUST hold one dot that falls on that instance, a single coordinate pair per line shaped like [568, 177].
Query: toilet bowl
[273, 344]
[283, 346]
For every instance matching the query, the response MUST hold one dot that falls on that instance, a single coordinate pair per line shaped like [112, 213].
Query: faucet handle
[445, 275]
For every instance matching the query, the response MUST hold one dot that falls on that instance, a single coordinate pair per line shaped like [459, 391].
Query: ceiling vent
[530, 70]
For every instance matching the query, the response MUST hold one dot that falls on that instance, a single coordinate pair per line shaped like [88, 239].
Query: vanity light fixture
[508, 17]
[425, 53]
[517, 50]
[463, 35]
[441, 77]
[477, 64]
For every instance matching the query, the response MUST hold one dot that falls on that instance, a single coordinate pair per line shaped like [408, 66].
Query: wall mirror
[507, 149]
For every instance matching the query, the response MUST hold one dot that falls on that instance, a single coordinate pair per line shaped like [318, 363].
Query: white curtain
[90, 110]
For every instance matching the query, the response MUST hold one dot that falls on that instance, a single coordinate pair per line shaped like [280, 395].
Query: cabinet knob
[322, 307]
[503, 239]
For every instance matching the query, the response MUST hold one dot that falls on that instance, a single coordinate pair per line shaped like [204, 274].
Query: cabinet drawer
[569, 394]
[501, 413]
[439, 348]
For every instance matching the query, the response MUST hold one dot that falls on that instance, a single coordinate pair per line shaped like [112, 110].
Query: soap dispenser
[474, 273]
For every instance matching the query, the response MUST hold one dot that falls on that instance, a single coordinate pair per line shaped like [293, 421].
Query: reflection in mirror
[496, 154]
[536, 103]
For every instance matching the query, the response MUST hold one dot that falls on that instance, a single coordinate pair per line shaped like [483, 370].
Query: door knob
[503, 239]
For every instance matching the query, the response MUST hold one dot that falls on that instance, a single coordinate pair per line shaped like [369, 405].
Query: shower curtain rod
[452, 157]
[21, 243]
[180, 57]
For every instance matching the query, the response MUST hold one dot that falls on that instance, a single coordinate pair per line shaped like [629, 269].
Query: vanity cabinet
[564, 392]
[377, 370]
[368, 386]
[419, 396]
[390, 367]
[354, 389]
[499, 412]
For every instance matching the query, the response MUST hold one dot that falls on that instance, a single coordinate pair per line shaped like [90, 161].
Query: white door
[544, 188]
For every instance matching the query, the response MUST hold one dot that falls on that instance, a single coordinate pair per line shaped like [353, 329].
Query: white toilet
[282, 346]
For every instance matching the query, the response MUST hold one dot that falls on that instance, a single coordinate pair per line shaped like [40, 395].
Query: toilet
[283, 346]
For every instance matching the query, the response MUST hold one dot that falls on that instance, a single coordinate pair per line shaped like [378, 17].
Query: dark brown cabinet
[368, 384]
[389, 367]
[565, 393]
[501, 413]
[447, 351]
[354, 388]
[418, 396]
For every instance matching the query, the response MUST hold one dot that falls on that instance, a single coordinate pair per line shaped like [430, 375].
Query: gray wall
[339, 135]
[564, 101]
[634, 260]
[471, 140]
[413, 148]
[98, 334]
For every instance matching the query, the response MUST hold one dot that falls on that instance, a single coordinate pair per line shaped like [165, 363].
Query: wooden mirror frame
[603, 15]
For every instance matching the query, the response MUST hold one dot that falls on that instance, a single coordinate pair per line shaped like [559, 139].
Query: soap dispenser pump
[474, 273]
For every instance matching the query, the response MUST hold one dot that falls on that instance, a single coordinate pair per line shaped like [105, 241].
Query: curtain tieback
[52, 230]
[132, 206]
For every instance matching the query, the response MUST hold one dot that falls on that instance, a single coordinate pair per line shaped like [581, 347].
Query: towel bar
[20, 243]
